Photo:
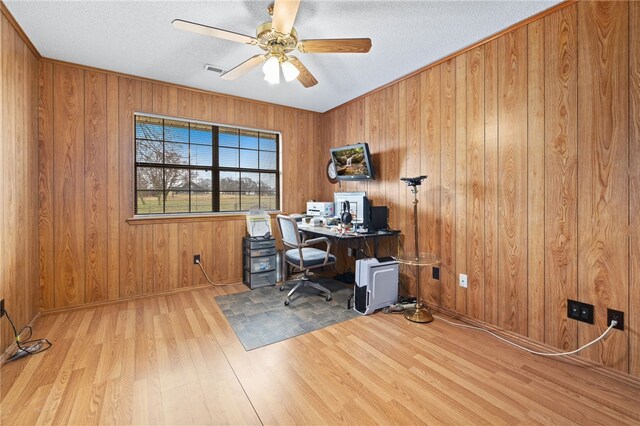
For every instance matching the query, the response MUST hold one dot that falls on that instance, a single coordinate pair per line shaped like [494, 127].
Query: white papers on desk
[258, 223]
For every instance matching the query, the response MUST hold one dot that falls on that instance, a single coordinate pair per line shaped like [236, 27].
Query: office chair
[299, 255]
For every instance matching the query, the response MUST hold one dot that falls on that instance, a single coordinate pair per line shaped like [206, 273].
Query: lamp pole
[420, 313]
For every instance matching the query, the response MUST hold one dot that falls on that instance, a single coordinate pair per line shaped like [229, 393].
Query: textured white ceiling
[136, 37]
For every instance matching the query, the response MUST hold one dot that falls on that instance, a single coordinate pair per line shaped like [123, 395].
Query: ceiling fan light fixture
[271, 70]
[290, 71]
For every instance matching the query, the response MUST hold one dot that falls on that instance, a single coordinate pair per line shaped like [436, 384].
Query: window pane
[149, 128]
[149, 178]
[183, 180]
[268, 200]
[201, 134]
[176, 153]
[267, 160]
[250, 182]
[176, 131]
[177, 202]
[201, 155]
[229, 201]
[267, 182]
[248, 139]
[249, 200]
[148, 151]
[228, 137]
[149, 202]
[229, 181]
[248, 159]
[201, 180]
[267, 142]
[228, 157]
[176, 179]
[201, 201]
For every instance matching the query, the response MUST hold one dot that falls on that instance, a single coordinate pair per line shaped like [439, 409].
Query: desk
[348, 238]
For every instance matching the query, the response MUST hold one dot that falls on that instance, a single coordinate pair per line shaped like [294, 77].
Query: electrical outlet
[463, 280]
[580, 311]
[2, 308]
[615, 315]
[435, 273]
[196, 259]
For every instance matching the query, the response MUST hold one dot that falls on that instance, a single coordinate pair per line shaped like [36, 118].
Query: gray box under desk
[258, 262]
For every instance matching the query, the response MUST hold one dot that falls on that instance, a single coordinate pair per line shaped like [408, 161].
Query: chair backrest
[289, 231]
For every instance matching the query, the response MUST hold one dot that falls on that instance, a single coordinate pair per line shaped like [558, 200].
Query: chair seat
[312, 257]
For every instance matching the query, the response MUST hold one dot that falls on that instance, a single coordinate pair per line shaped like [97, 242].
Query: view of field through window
[186, 167]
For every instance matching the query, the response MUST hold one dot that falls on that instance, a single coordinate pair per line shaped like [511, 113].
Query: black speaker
[379, 218]
[345, 215]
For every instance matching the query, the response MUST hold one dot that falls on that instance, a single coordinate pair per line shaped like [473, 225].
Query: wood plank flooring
[175, 360]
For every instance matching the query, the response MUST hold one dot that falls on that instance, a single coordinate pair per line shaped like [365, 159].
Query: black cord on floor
[46, 344]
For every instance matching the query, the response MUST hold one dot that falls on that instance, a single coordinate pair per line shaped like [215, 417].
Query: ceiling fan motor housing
[274, 43]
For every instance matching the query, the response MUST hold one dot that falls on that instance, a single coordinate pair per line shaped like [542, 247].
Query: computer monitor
[358, 204]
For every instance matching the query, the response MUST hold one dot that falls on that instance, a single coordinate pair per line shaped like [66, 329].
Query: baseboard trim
[93, 305]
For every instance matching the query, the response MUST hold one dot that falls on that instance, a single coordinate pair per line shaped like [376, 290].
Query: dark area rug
[259, 317]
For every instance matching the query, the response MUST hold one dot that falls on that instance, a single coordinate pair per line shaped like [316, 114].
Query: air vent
[213, 68]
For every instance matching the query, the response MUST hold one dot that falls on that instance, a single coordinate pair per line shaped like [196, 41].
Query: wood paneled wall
[18, 178]
[532, 146]
[90, 251]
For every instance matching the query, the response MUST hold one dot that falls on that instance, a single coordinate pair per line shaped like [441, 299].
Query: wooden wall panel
[10, 110]
[474, 161]
[68, 188]
[535, 181]
[45, 185]
[634, 188]
[429, 193]
[512, 195]
[603, 182]
[461, 182]
[113, 188]
[19, 191]
[561, 152]
[538, 157]
[448, 282]
[491, 184]
[95, 191]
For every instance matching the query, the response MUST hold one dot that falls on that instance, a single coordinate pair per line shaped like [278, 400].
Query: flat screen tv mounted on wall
[352, 162]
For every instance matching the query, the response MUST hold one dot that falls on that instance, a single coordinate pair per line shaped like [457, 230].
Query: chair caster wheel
[282, 287]
[286, 302]
[328, 298]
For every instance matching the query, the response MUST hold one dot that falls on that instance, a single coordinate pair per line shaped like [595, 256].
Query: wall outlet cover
[463, 280]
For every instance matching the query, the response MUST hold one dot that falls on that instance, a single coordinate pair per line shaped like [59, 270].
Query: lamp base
[418, 314]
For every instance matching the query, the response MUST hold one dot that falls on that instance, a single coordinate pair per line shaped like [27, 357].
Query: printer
[319, 208]
[376, 284]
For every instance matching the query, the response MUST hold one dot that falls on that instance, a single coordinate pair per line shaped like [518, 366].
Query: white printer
[376, 284]
[319, 208]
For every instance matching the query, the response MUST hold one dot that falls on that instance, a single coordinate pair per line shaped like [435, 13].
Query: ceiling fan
[278, 38]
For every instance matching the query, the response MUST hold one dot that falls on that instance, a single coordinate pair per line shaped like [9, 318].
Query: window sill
[189, 218]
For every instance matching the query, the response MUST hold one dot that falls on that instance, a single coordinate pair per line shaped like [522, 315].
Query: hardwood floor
[175, 360]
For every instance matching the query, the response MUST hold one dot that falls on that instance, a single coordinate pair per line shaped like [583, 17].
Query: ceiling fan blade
[284, 13]
[305, 77]
[213, 32]
[337, 45]
[244, 67]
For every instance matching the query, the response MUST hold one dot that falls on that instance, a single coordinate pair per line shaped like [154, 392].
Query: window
[192, 167]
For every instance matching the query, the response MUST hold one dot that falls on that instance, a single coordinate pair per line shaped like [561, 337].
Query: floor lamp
[420, 313]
